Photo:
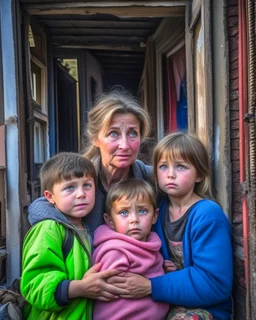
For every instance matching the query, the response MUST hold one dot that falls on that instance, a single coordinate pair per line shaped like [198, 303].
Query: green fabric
[43, 268]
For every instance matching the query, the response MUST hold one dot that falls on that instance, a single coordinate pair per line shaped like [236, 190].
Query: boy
[51, 283]
[126, 243]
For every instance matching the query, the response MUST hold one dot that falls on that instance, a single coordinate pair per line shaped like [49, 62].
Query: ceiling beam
[105, 32]
[120, 11]
[113, 47]
[98, 24]
[105, 3]
[120, 40]
[119, 65]
[103, 54]
[114, 61]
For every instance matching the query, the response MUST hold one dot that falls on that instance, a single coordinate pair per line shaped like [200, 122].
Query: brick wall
[239, 290]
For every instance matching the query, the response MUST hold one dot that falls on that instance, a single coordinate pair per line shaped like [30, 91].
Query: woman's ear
[109, 221]
[49, 196]
[95, 142]
[155, 216]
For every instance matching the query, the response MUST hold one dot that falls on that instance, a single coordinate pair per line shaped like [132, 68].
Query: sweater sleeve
[43, 267]
[113, 259]
[207, 279]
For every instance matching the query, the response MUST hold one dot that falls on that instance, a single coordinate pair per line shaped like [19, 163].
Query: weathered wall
[239, 290]
[93, 70]
[221, 117]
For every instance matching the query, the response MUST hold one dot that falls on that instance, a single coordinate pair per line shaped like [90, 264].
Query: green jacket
[46, 274]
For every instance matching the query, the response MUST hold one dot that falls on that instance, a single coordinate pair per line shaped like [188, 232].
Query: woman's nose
[123, 143]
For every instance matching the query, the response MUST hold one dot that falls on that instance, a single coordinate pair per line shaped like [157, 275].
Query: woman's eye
[113, 134]
[124, 213]
[133, 134]
[143, 211]
[180, 167]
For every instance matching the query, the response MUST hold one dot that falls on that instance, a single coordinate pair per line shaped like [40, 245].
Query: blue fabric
[61, 293]
[206, 280]
[182, 108]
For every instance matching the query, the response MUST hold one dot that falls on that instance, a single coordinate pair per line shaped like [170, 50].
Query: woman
[116, 127]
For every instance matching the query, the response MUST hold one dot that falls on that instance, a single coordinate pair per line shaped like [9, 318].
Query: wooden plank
[123, 66]
[103, 4]
[2, 203]
[94, 31]
[136, 11]
[104, 24]
[113, 47]
[127, 72]
[2, 147]
[135, 55]
[114, 61]
[96, 40]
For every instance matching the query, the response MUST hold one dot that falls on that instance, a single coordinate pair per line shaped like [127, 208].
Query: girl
[195, 233]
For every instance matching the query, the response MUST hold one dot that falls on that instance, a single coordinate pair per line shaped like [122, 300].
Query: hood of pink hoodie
[126, 253]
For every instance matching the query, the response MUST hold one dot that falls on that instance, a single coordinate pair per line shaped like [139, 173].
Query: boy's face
[75, 198]
[133, 218]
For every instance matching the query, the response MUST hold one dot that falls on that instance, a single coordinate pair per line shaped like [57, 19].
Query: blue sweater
[206, 280]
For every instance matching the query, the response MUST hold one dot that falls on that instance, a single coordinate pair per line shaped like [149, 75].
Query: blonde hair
[130, 189]
[65, 166]
[188, 147]
[107, 105]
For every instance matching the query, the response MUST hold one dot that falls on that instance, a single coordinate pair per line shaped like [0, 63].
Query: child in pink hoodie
[126, 243]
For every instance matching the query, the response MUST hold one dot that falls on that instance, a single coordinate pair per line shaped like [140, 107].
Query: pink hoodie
[118, 251]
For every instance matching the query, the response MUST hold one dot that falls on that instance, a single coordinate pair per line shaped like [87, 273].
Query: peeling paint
[11, 120]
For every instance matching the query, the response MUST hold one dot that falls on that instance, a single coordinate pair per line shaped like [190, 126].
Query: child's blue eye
[180, 167]
[87, 185]
[124, 213]
[163, 167]
[143, 211]
[69, 188]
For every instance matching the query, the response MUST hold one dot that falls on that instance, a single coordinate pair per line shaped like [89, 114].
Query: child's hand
[94, 285]
[169, 266]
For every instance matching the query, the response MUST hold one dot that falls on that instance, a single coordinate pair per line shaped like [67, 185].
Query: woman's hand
[169, 266]
[94, 285]
[135, 285]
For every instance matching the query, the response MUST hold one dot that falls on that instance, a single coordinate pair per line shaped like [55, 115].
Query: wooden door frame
[78, 54]
[163, 48]
[196, 10]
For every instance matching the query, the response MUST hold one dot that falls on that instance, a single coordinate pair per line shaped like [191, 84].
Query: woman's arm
[136, 285]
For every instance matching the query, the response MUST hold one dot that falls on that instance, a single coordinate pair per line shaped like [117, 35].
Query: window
[39, 142]
[37, 105]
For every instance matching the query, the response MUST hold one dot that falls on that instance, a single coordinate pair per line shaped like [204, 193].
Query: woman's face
[120, 143]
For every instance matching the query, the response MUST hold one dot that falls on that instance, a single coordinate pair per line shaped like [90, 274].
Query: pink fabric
[118, 251]
[179, 69]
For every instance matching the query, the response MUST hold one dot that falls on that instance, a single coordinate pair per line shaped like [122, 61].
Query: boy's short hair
[130, 189]
[65, 166]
